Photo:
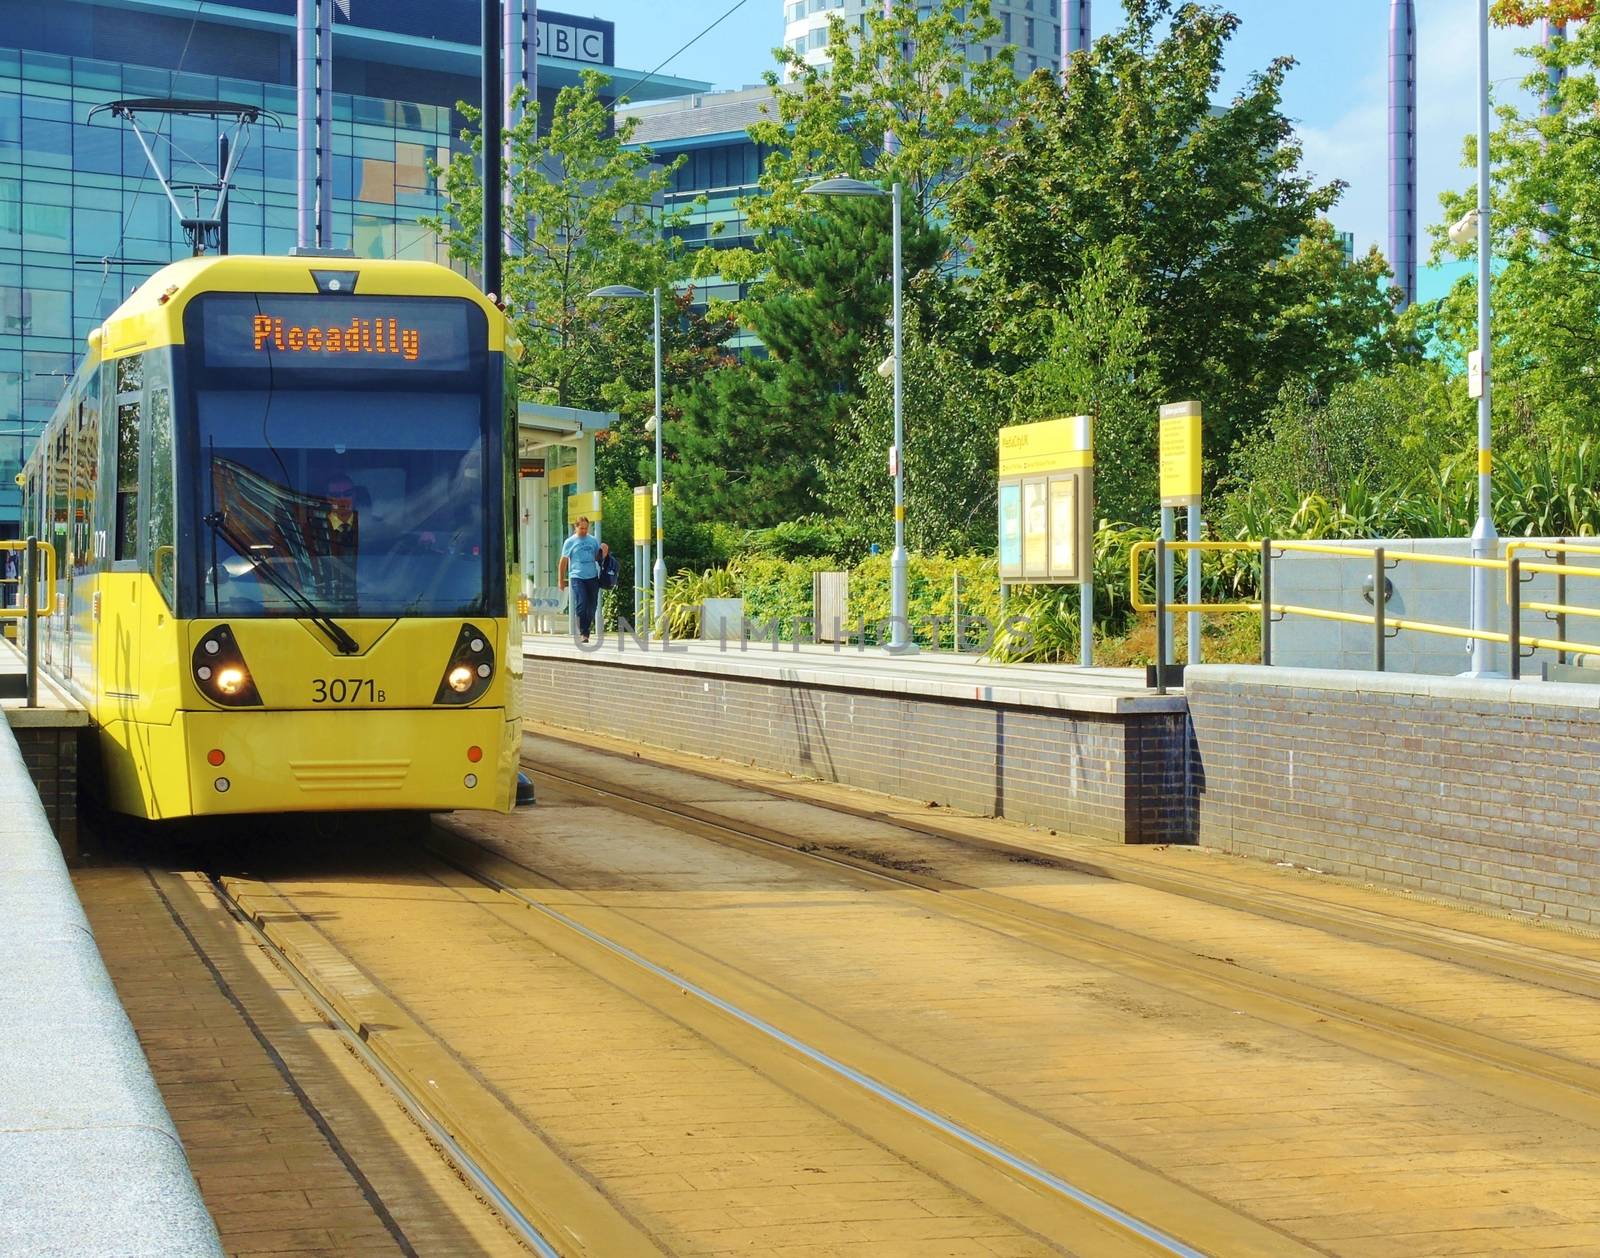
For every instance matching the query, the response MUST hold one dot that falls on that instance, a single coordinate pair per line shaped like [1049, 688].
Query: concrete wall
[90, 1163]
[1115, 776]
[1486, 791]
[1430, 592]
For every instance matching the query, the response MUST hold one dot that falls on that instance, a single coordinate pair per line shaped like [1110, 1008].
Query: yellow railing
[1383, 625]
[47, 556]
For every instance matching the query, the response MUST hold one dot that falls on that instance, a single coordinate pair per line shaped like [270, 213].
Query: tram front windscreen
[341, 450]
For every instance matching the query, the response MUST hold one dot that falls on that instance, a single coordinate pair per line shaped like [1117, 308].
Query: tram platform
[1090, 751]
[48, 736]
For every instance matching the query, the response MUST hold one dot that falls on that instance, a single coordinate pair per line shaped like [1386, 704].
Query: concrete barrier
[90, 1163]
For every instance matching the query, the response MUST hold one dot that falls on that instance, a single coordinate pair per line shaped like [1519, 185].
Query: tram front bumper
[350, 759]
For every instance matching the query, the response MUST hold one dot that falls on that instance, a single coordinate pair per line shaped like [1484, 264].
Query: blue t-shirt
[582, 555]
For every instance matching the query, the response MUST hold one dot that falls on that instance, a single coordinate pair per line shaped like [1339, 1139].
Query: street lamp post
[1485, 540]
[899, 623]
[658, 574]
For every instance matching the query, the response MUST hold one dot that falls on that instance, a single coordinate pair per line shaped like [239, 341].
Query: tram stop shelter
[555, 470]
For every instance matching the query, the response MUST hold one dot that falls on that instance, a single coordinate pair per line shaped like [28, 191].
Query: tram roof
[152, 315]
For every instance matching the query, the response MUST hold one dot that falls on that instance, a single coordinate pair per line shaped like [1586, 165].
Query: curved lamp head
[845, 187]
[618, 290]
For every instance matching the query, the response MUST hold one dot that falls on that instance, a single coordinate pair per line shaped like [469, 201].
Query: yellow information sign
[562, 475]
[1180, 454]
[584, 504]
[641, 514]
[1046, 500]
[1052, 445]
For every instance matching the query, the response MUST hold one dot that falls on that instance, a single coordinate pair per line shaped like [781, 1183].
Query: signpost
[1046, 501]
[643, 502]
[1181, 451]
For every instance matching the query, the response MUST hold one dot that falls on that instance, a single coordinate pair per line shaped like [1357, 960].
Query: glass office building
[82, 219]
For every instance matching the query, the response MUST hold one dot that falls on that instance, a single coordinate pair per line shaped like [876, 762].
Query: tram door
[119, 627]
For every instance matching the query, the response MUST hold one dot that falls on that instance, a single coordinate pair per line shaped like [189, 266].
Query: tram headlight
[220, 671]
[470, 669]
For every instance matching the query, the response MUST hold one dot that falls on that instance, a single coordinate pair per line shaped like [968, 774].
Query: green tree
[1545, 219]
[755, 446]
[1241, 281]
[952, 415]
[578, 216]
[1097, 364]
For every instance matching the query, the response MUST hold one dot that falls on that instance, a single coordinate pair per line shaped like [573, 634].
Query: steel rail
[1564, 1082]
[409, 1101]
[963, 1135]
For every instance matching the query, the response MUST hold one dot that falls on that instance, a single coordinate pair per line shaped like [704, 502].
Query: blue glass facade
[83, 221]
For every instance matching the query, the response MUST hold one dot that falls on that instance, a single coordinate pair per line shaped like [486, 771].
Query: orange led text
[359, 336]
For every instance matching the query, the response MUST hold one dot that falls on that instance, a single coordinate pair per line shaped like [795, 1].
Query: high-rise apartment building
[1032, 28]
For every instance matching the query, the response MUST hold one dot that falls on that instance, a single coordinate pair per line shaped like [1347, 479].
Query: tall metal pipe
[325, 124]
[493, 117]
[891, 142]
[511, 54]
[1403, 147]
[1074, 31]
[305, 134]
[528, 58]
[224, 155]
[1554, 33]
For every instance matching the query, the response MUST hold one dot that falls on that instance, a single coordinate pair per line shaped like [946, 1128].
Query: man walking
[580, 561]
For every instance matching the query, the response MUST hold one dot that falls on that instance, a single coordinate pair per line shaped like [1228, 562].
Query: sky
[1337, 94]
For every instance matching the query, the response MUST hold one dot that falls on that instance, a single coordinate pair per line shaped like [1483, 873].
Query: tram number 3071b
[345, 690]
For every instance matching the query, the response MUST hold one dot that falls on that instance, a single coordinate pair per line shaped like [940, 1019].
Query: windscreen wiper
[216, 521]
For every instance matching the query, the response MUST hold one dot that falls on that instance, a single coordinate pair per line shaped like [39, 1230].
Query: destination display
[337, 333]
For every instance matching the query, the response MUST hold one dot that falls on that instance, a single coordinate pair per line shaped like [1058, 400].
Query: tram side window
[130, 381]
[160, 508]
[61, 491]
[88, 467]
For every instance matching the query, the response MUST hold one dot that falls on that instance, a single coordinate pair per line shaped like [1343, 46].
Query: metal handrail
[1383, 625]
[49, 601]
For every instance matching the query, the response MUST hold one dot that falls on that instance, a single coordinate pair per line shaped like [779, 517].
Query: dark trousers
[585, 599]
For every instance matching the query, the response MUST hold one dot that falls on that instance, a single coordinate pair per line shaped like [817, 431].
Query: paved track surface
[683, 1007]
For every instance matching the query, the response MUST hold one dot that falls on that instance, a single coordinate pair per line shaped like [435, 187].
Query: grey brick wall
[1115, 777]
[51, 754]
[1480, 790]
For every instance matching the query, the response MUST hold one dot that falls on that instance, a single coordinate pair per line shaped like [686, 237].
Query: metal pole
[1485, 540]
[305, 128]
[325, 124]
[1161, 615]
[1266, 601]
[33, 622]
[899, 635]
[223, 154]
[658, 574]
[955, 613]
[511, 49]
[1086, 586]
[1561, 601]
[1380, 636]
[1515, 629]
[1194, 585]
[1169, 531]
[492, 107]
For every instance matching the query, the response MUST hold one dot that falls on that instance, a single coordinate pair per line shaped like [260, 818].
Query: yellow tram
[280, 492]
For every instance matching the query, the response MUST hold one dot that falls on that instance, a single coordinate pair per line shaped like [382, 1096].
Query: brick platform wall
[51, 754]
[1116, 777]
[1486, 791]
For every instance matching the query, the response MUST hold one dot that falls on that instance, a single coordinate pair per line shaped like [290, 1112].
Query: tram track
[1562, 961]
[1527, 1076]
[452, 1104]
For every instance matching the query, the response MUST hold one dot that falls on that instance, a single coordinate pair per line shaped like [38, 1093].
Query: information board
[641, 514]
[1046, 501]
[587, 503]
[1180, 454]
